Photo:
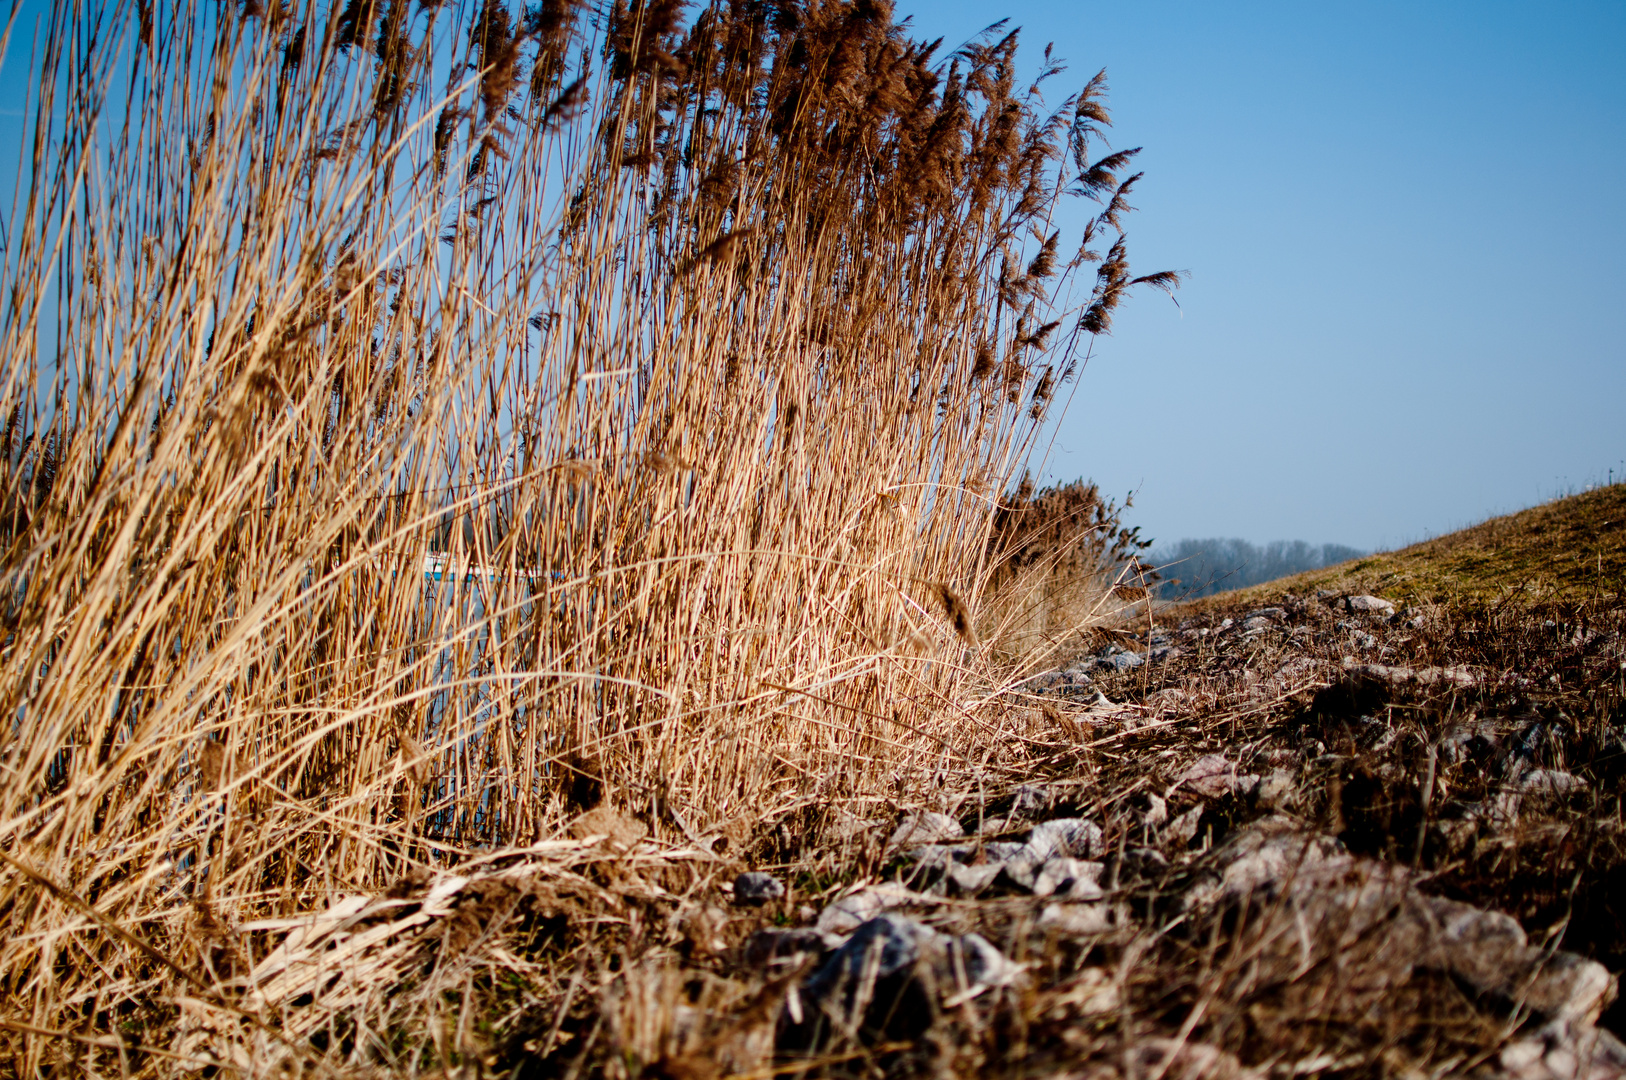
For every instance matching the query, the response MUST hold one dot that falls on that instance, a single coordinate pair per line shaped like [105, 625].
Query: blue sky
[1405, 230]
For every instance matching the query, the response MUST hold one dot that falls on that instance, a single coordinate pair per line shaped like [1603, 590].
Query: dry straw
[700, 340]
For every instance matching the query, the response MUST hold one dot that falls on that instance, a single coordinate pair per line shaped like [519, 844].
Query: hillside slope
[1564, 550]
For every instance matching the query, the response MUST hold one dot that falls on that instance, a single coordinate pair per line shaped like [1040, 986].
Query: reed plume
[334, 355]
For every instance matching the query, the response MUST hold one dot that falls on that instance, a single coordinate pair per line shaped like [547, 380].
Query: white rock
[924, 828]
[1183, 829]
[1076, 920]
[1565, 1051]
[971, 880]
[1029, 800]
[1429, 676]
[852, 911]
[1275, 790]
[1550, 782]
[1064, 836]
[1210, 776]
[983, 965]
[1370, 605]
[1074, 879]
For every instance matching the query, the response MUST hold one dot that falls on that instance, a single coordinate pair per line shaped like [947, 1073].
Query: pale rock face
[1551, 783]
[924, 828]
[1369, 605]
[1183, 829]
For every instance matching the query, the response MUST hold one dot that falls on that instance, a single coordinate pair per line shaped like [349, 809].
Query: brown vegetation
[696, 348]
[1568, 549]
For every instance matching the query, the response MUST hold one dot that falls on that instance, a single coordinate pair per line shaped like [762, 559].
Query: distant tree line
[1194, 568]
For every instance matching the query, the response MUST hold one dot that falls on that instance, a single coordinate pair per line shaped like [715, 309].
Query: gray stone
[1329, 900]
[1369, 605]
[848, 913]
[889, 942]
[1029, 800]
[1164, 653]
[1124, 661]
[981, 965]
[924, 828]
[1064, 836]
[1549, 783]
[872, 982]
[1183, 829]
[973, 879]
[1257, 624]
[1210, 776]
[1021, 872]
[1488, 951]
[1271, 614]
[1468, 741]
[771, 946]
[1275, 790]
[887, 979]
[1067, 878]
[1439, 677]
[1562, 1050]
[1076, 920]
[756, 889]
[940, 856]
[997, 826]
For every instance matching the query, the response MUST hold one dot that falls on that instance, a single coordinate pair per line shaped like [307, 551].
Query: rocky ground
[1326, 836]
[1323, 833]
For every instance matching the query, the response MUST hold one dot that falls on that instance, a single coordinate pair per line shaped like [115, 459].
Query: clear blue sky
[1406, 230]
[1405, 225]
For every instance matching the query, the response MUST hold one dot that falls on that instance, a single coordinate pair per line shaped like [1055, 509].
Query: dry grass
[1564, 550]
[1060, 563]
[702, 347]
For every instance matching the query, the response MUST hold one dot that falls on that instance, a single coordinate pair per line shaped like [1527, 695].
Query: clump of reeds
[1060, 560]
[689, 348]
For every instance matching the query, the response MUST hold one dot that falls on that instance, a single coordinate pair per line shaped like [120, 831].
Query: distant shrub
[1054, 557]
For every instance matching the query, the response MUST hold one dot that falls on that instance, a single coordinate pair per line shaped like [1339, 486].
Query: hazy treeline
[1203, 567]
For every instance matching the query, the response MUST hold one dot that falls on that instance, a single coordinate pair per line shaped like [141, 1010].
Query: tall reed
[700, 343]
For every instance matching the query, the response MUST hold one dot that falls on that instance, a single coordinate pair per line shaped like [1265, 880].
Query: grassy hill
[1566, 550]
